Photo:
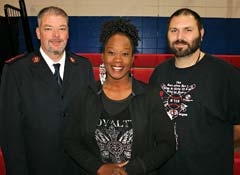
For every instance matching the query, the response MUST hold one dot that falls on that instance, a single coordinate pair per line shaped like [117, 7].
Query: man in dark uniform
[34, 105]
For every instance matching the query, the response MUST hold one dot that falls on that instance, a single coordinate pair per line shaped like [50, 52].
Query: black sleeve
[12, 140]
[163, 137]
[76, 142]
[234, 95]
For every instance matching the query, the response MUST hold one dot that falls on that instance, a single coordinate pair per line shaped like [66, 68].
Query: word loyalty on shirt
[115, 123]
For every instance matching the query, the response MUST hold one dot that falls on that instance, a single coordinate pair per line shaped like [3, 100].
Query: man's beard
[180, 52]
[56, 52]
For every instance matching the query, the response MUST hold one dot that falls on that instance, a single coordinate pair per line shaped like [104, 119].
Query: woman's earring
[131, 72]
[102, 73]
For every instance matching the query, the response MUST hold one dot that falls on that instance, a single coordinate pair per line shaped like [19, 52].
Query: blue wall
[222, 35]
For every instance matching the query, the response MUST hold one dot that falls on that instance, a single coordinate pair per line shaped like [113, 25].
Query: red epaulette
[13, 59]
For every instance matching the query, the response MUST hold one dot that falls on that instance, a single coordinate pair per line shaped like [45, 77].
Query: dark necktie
[57, 74]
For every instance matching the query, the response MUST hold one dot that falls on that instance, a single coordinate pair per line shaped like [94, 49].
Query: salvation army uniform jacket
[34, 112]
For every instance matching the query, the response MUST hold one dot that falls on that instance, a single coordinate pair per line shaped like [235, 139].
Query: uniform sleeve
[163, 139]
[234, 96]
[11, 124]
[91, 75]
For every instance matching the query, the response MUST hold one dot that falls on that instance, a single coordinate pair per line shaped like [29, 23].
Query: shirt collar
[50, 62]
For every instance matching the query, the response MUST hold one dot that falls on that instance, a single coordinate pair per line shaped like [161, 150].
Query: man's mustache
[180, 42]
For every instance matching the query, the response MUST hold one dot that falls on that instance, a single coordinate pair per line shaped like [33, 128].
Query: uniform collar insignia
[35, 59]
[73, 60]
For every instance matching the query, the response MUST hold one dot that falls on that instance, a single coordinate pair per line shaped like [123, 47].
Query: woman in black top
[119, 126]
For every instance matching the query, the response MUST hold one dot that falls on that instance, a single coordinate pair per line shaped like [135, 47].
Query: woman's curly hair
[122, 26]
